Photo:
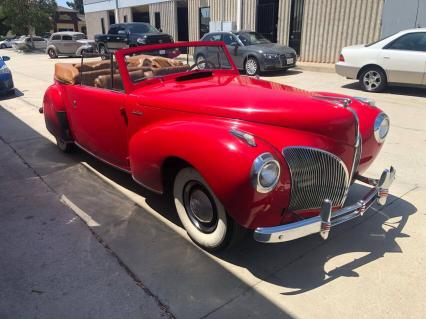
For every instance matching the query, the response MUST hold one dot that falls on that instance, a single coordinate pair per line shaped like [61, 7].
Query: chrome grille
[316, 175]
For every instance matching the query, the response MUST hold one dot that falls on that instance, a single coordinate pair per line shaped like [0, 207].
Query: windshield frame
[130, 86]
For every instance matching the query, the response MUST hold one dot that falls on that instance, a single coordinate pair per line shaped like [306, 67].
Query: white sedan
[399, 59]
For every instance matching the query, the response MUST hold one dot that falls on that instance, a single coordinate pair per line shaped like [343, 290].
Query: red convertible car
[237, 153]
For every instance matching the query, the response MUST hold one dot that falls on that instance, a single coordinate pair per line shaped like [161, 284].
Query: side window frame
[389, 45]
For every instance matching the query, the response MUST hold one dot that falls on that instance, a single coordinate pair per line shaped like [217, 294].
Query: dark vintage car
[236, 153]
[125, 35]
[251, 51]
[67, 43]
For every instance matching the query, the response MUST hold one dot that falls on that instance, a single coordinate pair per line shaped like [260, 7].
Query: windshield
[141, 28]
[250, 38]
[185, 60]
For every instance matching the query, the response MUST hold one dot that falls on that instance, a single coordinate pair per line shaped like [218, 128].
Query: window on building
[111, 17]
[411, 42]
[125, 18]
[157, 20]
[103, 25]
[204, 21]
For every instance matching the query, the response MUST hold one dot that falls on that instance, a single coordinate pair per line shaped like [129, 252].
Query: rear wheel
[373, 79]
[52, 53]
[64, 146]
[202, 214]
[3, 46]
[103, 51]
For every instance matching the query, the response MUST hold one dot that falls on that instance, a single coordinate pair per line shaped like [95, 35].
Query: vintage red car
[237, 153]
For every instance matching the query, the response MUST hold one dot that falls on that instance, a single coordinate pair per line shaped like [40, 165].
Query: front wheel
[251, 66]
[3, 46]
[202, 214]
[103, 52]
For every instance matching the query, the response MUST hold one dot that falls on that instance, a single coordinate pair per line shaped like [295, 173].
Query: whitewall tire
[201, 213]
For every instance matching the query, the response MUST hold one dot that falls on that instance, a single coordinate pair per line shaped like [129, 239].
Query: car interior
[100, 74]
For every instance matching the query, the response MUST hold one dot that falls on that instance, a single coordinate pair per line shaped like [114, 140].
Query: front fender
[223, 160]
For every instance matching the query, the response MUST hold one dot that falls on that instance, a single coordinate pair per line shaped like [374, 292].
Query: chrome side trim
[101, 159]
[246, 137]
[327, 219]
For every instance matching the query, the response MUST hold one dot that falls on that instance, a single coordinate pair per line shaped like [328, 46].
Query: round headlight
[265, 173]
[381, 127]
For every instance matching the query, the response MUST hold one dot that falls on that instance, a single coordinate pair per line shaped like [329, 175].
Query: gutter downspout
[117, 16]
[239, 14]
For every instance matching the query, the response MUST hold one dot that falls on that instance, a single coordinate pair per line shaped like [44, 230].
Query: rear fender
[223, 160]
[55, 113]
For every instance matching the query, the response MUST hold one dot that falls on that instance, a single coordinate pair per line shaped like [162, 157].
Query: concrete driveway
[370, 267]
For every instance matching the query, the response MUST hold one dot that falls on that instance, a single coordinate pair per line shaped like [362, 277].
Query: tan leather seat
[104, 81]
[67, 73]
[170, 70]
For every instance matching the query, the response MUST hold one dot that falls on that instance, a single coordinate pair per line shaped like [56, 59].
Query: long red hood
[249, 99]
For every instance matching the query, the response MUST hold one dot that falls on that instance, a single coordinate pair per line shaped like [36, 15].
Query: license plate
[290, 61]
[162, 51]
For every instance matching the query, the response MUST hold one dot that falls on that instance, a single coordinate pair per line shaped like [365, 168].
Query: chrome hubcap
[251, 66]
[200, 207]
[372, 80]
[201, 63]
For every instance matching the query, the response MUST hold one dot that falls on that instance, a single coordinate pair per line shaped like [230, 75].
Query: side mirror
[235, 44]
[5, 58]
[159, 29]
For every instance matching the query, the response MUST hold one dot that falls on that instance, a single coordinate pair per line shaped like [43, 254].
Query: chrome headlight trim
[381, 127]
[365, 100]
[259, 164]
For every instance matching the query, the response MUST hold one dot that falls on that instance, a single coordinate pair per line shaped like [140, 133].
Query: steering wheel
[206, 62]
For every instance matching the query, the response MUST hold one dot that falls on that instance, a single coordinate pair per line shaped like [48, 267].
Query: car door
[116, 37]
[404, 59]
[67, 44]
[99, 122]
[234, 48]
[39, 43]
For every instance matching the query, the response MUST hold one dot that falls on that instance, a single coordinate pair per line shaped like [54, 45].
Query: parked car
[237, 153]
[124, 35]
[24, 43]
[69, 44]
[252, 52]
[399, 59]
[6, 43]
[6, 80]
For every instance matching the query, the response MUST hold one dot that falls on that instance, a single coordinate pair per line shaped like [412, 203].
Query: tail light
[341, 58]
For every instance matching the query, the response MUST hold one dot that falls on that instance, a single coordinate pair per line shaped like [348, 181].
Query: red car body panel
[139, 129]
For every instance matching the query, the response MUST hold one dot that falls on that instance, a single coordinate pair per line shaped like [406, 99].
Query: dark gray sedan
[250, 51]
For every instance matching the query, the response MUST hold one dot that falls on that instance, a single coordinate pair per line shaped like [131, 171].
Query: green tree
[76, 5]
[27, 16]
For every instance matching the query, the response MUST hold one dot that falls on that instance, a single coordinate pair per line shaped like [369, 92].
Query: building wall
[93, 23]
[283, 21]
[168, 16]
[411, 14]
[125, 12]
[330, 25]
[225, 10]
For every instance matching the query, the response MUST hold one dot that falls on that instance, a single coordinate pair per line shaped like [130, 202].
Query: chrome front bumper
[326, 219]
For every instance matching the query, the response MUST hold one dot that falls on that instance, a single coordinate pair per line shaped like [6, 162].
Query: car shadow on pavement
[295, 267]
[299, 265]
[397, 90]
